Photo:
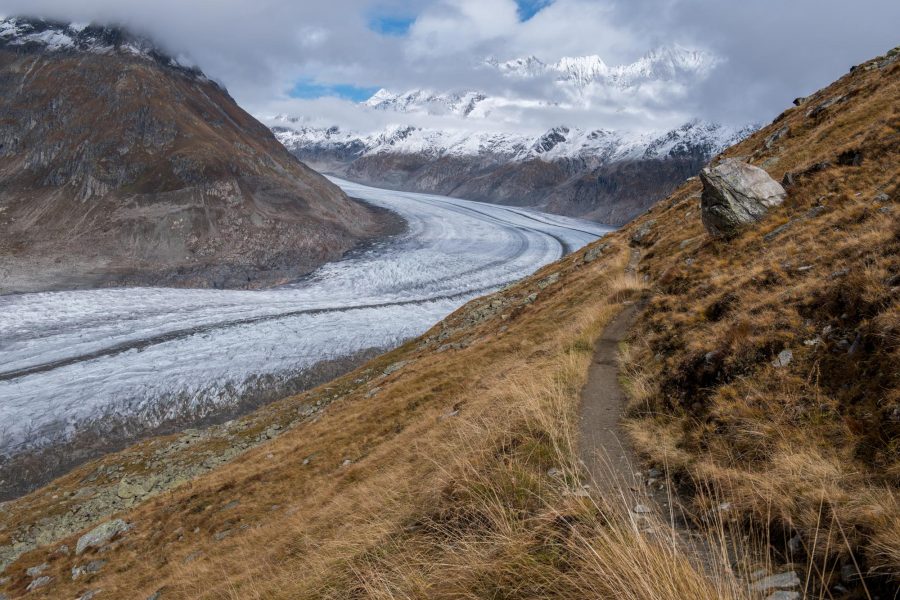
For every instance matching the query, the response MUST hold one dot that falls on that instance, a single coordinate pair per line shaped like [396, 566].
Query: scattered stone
[838, 274]
[128, 490]
[530, 299]
[799, 101]
[819, 109]
[736, 194]
[158, 593]
[641, 509]
[654, 473]
[777, 135]
[778, 231]
[553, 472]
[187, 559]
[640, 234]
[92, 567]
[221, 535]
[89, 595]
[804, 268]
[548, 281]
[38, 583]
[594, 253]
[785, 357]
[882, 197]
[346, 462]
[372, 392]
[783, 595]
[788, 579]
[36, 570]
[101, 535]
[395, 367]
[63, 550]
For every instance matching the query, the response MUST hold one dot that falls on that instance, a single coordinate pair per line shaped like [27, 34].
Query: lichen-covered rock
[736, 194]
[101, 535]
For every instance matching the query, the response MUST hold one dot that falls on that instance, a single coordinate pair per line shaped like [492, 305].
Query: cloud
[263, 50]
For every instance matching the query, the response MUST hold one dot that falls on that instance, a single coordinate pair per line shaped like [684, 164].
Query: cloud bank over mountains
[318, 59]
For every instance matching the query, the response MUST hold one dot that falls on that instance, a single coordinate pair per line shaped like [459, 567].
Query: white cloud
[775, 50]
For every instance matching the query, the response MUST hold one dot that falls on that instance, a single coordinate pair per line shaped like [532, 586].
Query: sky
[318, 60]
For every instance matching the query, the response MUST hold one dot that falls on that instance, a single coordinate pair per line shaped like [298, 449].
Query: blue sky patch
[309, 89]
[529, 8]
[391, 24]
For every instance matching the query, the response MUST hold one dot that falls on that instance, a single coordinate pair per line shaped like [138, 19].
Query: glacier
[149, 356]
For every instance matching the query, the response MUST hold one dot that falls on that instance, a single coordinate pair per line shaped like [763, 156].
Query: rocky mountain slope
[764, 389]
[601, 174]
[121, 165]
[607, 176]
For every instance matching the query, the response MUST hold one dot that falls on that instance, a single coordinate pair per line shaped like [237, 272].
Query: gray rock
[37, 570]
[89, 595]
[38, 583]
[882, 197]
[777, 135]
[785, 357]
[594, 253]
[641, 509]
[548, 281]
[395, 367]
[92, 567]
[640, 234]
[783, 595]
[736, 194]
[101, 535]
[788, 579]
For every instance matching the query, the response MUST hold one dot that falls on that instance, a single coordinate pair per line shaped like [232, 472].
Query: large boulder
[736, 194]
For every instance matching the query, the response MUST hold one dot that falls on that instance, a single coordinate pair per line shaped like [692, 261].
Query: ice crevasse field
[152, 355]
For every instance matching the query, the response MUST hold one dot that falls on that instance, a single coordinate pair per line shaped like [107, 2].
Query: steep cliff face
[118, 165]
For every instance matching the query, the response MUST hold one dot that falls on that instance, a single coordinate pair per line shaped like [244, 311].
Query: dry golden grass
[448, 493]
[456, 476]
[811, 449]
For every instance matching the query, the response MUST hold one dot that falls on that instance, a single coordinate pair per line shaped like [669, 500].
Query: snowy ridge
[40, 34]
[600, 145]
[577, 77]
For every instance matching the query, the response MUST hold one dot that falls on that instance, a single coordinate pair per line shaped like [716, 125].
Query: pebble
[787, 579]
[38, 583]
[641, 509]
[36, 570]
[785, 357]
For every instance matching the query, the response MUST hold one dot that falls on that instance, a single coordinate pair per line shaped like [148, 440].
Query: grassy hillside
[448, 468]
[811, 447]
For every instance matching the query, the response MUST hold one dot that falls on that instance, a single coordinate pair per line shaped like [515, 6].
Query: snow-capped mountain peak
[578, 79]
[29, 34]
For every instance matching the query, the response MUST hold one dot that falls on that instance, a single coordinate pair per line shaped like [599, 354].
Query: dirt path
[604, 448]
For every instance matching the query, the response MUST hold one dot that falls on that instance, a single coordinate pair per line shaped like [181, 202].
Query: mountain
[600, 174]
[122, 165]
[762, 382]
[607, 176]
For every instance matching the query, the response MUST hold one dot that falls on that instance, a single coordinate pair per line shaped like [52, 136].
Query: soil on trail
[603, 445]
[604, 449]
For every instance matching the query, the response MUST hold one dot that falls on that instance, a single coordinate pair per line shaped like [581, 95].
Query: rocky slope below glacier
[607, 176]
[122, 165]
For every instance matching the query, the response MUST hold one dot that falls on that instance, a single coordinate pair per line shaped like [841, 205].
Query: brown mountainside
[448, 468]
[121, 168]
